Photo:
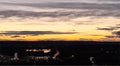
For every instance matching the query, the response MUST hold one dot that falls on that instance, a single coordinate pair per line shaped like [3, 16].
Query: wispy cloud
[33, 32]
[109, 28]
[15, 36]
[114, 30]
[117, 33]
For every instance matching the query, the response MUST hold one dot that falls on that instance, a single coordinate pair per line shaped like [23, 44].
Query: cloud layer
[69, 8]
[69, 14]
[61, 9]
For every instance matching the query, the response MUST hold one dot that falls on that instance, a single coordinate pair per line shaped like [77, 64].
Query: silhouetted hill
[51, 43]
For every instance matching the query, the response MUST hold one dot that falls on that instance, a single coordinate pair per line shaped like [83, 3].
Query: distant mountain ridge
[52, 43]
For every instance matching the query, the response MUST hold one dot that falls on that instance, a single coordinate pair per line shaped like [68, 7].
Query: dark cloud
[107, 28]
[69, 5]
[82, 6]
[34, 32]
[116, 27]
[110, 36]
[113, 29]
[69, 14]
[116, 33]
[16, 36]
[11, 13]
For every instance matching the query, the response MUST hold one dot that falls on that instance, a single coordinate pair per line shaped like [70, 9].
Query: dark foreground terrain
[67, 53]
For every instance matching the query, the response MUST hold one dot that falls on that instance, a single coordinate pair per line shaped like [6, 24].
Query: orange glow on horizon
[64, 37]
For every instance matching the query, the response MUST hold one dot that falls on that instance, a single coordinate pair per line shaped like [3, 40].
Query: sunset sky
[54, 20]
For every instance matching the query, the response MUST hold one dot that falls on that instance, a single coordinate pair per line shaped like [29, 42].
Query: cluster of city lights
[40, 57]
[39, 50]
